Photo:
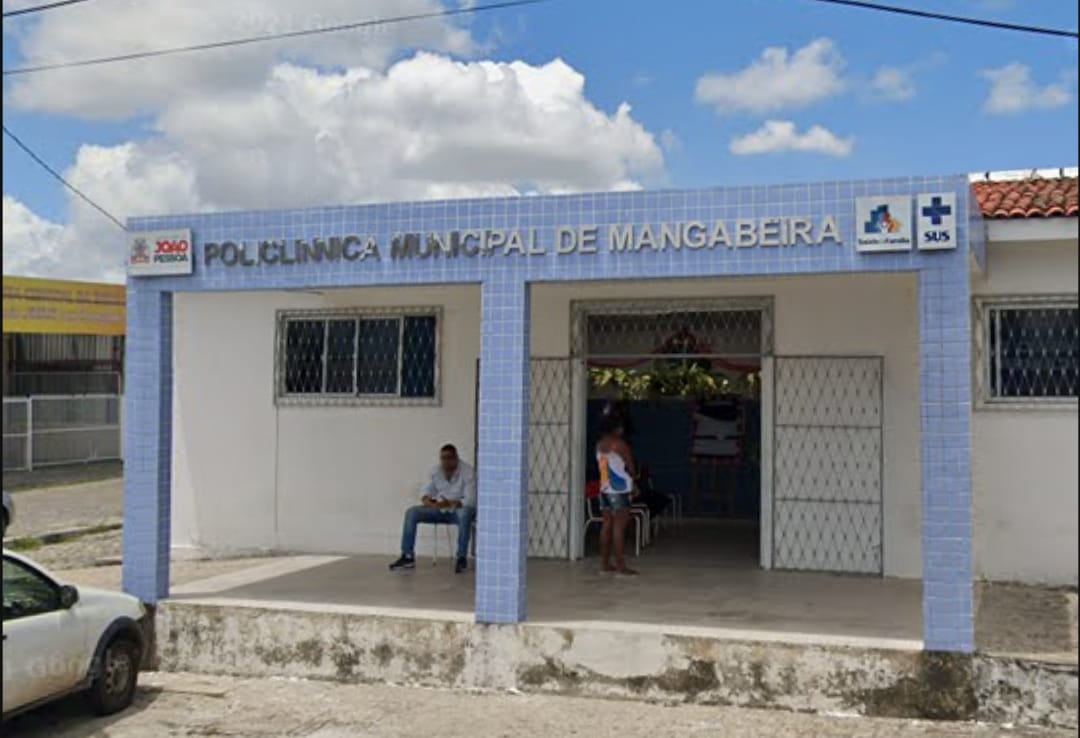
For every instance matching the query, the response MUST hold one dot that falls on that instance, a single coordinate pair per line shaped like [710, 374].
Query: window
[363, 356]
[26, 592]
[1029, 350]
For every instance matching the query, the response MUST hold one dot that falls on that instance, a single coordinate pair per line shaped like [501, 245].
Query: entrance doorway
[684, 380]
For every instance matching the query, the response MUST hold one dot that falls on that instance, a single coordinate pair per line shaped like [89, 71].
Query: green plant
[671, 379]
[626, 384]
[25, 544]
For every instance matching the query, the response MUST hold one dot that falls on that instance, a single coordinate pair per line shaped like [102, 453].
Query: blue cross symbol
[936, 210]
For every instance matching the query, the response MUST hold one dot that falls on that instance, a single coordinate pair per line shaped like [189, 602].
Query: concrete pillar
[147, 443]
[502, 468]
[945, 402]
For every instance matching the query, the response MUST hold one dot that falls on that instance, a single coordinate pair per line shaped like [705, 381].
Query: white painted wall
[1025, 461]
[828, 315]
[249, 475]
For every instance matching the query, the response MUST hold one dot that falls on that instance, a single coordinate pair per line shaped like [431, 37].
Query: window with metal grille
[361, 356]
[1030, 351]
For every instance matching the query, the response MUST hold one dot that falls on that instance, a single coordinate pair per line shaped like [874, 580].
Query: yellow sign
[54, 306]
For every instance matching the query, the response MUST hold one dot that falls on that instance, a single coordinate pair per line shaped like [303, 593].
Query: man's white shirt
[461, 487]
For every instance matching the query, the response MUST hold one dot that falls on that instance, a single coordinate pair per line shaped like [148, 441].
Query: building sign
[70, 308]
[617, 239]
[936, 217]
[883, 224]
[156, 253]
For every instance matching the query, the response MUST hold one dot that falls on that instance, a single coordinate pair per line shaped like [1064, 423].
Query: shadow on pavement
[72, 717]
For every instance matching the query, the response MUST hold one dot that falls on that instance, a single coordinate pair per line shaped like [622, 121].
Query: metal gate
[550, 457]
[827, 464]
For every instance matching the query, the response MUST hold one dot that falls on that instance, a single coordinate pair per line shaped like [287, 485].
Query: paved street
[186, 705]
[66, 506]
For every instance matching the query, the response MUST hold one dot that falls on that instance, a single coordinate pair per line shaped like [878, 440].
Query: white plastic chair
[435, 540]
[593, 515]
[450, 547]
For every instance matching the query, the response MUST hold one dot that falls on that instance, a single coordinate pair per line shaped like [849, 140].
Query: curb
[57, 536]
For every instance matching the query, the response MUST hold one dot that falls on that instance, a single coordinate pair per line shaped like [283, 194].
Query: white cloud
[776, 80]
[896, 83]
[777, 136]
[90, 247]
[331, 118]
[670, 140]
[126, 180]
[892, 84]
[30, 242]
[117, 91]
[1012, 90]
[427, 127]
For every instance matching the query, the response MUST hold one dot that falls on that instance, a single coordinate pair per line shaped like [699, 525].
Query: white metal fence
[47, 430]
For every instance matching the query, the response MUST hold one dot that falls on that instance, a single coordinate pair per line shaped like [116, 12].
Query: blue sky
[653, 56]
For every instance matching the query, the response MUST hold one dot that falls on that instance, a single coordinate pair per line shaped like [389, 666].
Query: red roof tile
[1028, 198]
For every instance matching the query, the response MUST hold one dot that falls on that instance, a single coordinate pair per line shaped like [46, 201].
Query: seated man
[449, 498]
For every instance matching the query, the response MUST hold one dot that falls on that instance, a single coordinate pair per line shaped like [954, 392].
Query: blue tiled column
[945, 389]
[147, 443]
[502, 534]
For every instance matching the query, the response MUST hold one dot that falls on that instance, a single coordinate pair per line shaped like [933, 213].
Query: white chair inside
[435, 540]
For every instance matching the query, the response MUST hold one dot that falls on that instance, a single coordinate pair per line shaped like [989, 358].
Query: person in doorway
[617, 413]
[616, 463]
[448, 498]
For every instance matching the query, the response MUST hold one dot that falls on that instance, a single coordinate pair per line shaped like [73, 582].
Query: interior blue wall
[661, 438]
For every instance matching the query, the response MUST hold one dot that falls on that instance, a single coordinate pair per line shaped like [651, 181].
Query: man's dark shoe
[461, 565]
[405, 562]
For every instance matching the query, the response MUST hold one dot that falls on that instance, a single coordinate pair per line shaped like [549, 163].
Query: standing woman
[617, 473]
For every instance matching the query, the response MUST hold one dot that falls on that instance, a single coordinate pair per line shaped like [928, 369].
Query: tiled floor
[688, 579]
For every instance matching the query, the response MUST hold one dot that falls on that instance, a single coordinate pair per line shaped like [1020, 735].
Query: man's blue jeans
[462, 517]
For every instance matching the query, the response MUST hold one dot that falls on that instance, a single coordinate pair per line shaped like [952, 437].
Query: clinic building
[875, 378]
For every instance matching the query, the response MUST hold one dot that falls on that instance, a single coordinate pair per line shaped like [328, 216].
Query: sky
[561, 96]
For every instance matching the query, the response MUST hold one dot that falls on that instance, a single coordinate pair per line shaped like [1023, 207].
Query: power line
[39, 8]
[272, 37]
[54, 173]
[955, 18]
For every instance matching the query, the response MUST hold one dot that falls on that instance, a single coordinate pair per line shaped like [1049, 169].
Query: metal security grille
[359, 356]
[549, 457]
[827, 464]
[1028, 350]
[614, 330]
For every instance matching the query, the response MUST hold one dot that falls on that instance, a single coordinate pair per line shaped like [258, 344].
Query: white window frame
[984, 307]
[284, 317]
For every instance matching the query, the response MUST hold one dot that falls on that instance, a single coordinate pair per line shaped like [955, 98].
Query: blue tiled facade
[505, 281]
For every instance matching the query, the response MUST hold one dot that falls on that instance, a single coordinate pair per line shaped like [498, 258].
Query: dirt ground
[183, 705]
